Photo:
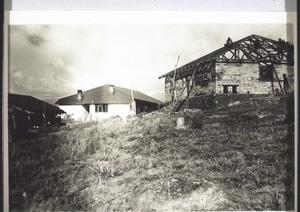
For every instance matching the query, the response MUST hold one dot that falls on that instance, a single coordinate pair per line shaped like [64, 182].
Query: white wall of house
[113, 110]
[119, 109]
[76, 112]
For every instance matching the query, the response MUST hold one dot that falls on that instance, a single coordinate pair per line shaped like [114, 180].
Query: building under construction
[252, 65]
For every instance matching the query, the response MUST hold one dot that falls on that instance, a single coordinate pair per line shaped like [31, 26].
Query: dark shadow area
[36, 181]
[3, 8]
[290, 178]
[290, 6]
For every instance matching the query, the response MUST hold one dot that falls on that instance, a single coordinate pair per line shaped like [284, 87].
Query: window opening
[234, 88]
[266, 73]
[230, 88]
[101, 108]
[225, 88]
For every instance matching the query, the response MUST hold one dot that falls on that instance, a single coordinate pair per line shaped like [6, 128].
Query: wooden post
[272, 83]
[174, 81]
[44, 114]
[278, 80]
[133, 104]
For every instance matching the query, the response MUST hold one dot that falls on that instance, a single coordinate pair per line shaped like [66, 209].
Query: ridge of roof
[216, 53]
[135, 93]
[101, 94]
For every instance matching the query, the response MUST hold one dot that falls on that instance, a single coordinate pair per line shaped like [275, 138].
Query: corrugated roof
[31, 103]
[101, 95]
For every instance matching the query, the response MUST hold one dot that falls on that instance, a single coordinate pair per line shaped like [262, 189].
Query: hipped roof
[31, 104]
[101, 95]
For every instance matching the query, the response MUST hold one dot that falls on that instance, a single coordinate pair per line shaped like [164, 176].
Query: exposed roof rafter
[251, 49]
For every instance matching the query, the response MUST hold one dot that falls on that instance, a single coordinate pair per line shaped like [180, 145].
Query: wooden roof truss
[252, 49]
[257, 48]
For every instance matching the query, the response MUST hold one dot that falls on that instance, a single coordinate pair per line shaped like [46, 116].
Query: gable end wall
[246, 76]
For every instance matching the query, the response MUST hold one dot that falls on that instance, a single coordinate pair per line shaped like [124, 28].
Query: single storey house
[252, 65]
[106, 101]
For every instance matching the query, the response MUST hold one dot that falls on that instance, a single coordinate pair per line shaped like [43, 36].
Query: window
[266, 73]
[230, 88]
[101, 108]
[234, 88]
[225, 88]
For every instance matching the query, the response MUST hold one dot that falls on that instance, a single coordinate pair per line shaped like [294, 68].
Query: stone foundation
[208, 101]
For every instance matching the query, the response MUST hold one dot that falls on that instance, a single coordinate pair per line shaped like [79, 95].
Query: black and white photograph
[170, 116]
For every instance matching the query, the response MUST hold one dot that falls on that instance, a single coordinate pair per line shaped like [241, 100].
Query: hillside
[231, 158]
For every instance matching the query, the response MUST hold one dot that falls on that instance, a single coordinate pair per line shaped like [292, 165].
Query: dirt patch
[208, 197]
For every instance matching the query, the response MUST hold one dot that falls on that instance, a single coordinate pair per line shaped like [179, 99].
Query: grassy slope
[237, 158]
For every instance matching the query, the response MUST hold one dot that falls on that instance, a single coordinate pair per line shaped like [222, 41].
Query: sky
[54, 61]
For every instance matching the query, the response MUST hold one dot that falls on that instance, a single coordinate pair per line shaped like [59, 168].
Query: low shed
[27, 111]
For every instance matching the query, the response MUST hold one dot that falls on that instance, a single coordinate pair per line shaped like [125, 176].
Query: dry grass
[234, 160]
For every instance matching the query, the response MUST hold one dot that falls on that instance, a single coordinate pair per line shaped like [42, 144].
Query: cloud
[36, 71]
[35, 40]
[36, 34]
[71, 57]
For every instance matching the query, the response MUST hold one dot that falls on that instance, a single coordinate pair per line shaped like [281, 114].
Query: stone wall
[168, 95]
[246, 76]
[223, 100]
[207, 89]
[200, 86]
[179, 86]
[180, 92]
[211, 101]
